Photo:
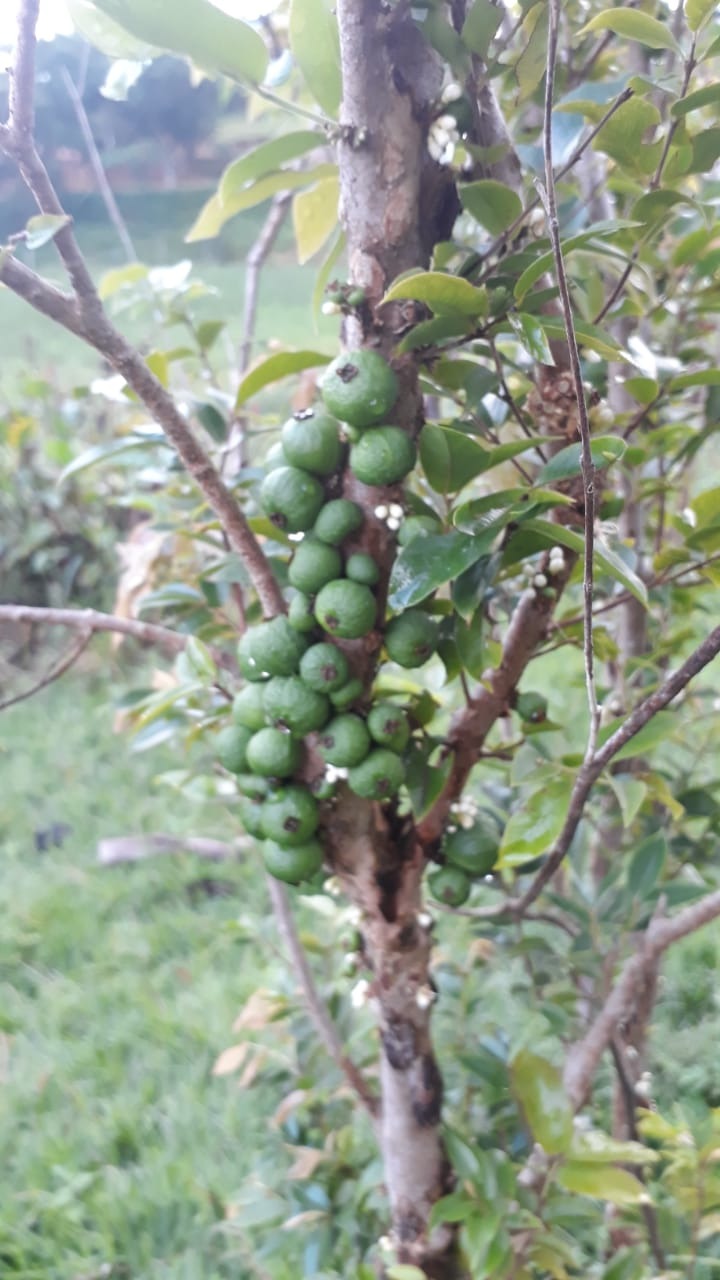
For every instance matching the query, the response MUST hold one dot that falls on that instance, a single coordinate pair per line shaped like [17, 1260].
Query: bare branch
[253, 266]
[117, 849]
[584, 1057]
[91, 620]
[58, 669]
[588, 467]
[318, 1011]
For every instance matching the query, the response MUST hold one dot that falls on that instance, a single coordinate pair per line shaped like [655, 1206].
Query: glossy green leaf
[697, 12]
[596, 1147]
[99, 30]
[650, 736]
[195, 29]
[602, 1182]
[264, 159]
[465, 1161]
[633, 25]
[43, 228]
[427, 563]
[470, 645]
[607, 561]
[533, 829]
[214, 214]
[456, 1207]
[428, 333]
[315, 216]
[279, 365]
[647, 864]
[116, 279]
[531, 335]
[424, 781]
[696, 378]
[316, 48]
[538, 1086]
[707, 96]
[588, 335]
[568, 462]
[630, 794]
[529, 67]
[452, 459]
[623, 137]
[705, 151]
[444, 294]
[491, 203]
[643, 389]
[522, 501]
[480, 25]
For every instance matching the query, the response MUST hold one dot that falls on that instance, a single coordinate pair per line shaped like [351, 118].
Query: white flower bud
[330, 308]
[540, 580]
[359, 994]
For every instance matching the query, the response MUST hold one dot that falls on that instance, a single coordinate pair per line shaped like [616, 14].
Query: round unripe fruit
[474, 849]
[274, 458]
[344, 742]
[312, 441]
[291, 499]
[313, 564]
[247, 707]
[382, 456]
[389, 726]
[359, 387]
[273, 754]
[415, 526]
[449, 885]
[290, 816]
[323, 788]
[346, 609]
[252, 786]
[337, 520]
[411, 638]
[271, 649]
[293, 865]
[290, 703]
[350, 692]
[300, 614]
[362, 568]
[250, 813]
[378, 776]
[231, 747]
[324, 668]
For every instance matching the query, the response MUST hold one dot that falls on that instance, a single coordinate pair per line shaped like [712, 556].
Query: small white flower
[396, 511]
[393, 524]
[424, 919]
[424, 997]
[448, 123]
[330, 308]
[540, 580]
[688, 516]
[452, 92]
[295, 537]
[382, 512]
[359, 994]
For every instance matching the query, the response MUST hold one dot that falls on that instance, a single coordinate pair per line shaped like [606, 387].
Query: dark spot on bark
[407, 937]
[347, 372]
[399, 80]
[409, 1225]
[426, 1092]
[398, 1039]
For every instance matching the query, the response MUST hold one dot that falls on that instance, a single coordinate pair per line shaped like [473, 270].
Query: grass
[118, 988]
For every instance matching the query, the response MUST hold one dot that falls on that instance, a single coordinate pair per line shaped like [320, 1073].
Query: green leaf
[538, 1086]
[323, 276]
[114, 280]
[491, 203]
[623, 136]
[195, 29]
[705, 151]
[530, 65]
[633, 25]
[463, 1158]
[697, 12]
[630, 794]
[449, 458]
[525, 504]
[696, 378]
[596, 1147]
[647, 863]
[104, 34]
[643, 389]
[43, 228]
[480, 26]
[443, 293]
[103, 452]
[426, 563]
[531, 336]
[279, 365]
[588, 335]
[212, 420]
[199, 660]
[404, 1271]
[214, 214]
[456, 1207]
[532, 830]
[568, 462]
[605, 559]
[424, 781]
[651, 735]
[266, 158]
[602, 1181]
[315, 216]
[701, 98]
[315, 46]
[656, 205]
[470, 645]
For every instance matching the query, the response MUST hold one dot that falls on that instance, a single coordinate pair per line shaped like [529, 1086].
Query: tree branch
[318, 1012]
[91, 620]
[58, 669]
[116, 849]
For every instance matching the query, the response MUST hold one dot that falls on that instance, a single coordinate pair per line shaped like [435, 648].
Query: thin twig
[116, 849]
[91, 620]
[629, 1098]
[588, 467]
[317, 1009]
[58, 669]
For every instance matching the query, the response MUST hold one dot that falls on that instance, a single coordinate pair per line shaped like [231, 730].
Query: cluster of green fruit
[299, 681]
[470, 853]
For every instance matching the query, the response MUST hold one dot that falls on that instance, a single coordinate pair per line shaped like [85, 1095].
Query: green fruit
[337, 520]
[274, 458]
[324, 667]
[323, 788]
[346, 609]
[411, 638]
[250, 813]
[350, 692]
[290, 703]
[270, 649]
[247, 707]
[252, 786]
[389, 726]
[273, 754]
[300, 614]
[231, 747]
[313, 564]
[449, 885]
[345, 741]
[378, 776]
[362, 568]
[474, 849]
[359, 387]
[312, 441]
[382, 456]
[415, 527]
[290, 816]
[291, 499]
[293, 865]
[356, 297]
